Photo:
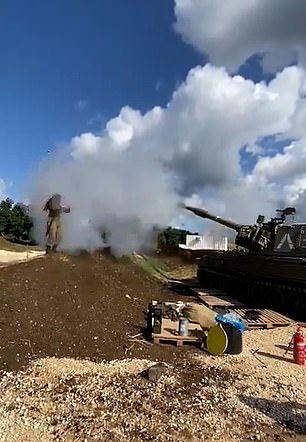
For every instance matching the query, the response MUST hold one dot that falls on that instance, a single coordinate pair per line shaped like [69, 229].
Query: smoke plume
[133, 174]
[121, 193]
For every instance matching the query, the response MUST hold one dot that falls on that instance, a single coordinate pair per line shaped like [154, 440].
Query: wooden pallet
[170, 332]
[216, 298]
[266, 318]
[184, 284]
[190, 282]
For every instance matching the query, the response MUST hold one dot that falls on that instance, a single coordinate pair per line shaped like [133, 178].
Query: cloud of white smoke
[118, 192]
[132, 175]
[142, 165]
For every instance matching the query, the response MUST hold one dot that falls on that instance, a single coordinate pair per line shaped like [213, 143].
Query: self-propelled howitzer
[271, 272]
[261, 236]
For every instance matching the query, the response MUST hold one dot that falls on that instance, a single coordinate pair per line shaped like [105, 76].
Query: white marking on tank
[289, 240]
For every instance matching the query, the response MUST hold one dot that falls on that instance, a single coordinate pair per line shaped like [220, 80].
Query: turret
[256, 237]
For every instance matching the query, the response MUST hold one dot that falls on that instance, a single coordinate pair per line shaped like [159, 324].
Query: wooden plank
[191, 282]
[272, 316]
[216, 298]
[266, 319]
[170, 332]
[183, 284]
[213, 301]
[177, 342]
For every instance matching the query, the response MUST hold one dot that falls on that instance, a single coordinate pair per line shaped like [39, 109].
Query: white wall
[205, 242]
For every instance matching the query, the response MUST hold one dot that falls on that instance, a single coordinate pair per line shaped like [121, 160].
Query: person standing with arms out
[53, 232]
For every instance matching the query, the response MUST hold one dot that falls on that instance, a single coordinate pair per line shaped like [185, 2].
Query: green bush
[173, 237]
[15, 224]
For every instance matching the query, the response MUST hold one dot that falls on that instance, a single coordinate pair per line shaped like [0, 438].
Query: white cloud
[199, 134]
[142, 165]
[255, 149]
[212, 115]
[87, 143]
[283, 176]
[158, 85]
[81, 105]
[2, 189]
[96, 119]
[230, 32]
[133, 174]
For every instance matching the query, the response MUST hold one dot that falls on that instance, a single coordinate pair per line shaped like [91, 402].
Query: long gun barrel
[205, 214]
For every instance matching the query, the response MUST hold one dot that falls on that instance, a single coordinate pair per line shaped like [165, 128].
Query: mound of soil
[16, 247]
[85, 307]
[76, 306]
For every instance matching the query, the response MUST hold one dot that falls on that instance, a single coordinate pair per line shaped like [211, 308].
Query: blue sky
[69, 66]
[107, 53]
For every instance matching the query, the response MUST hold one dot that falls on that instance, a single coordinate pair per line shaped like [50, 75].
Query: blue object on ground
[231, 318]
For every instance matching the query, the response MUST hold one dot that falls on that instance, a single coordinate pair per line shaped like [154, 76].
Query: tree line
[16, 226]
[15, 223]
[173, 237]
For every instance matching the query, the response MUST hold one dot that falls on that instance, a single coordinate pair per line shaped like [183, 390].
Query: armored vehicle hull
[270, 272]
[259, 281]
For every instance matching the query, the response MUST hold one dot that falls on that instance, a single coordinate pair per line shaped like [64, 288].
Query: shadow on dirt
[290, 415]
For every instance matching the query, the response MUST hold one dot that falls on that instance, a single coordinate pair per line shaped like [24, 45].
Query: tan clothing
[53, 232]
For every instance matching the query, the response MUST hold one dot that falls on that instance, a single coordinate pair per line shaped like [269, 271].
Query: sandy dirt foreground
[70, 372]
[200, 397]
[9, 257]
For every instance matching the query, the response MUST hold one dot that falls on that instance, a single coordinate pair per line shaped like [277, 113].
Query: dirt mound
[75, 306]
[14, 247]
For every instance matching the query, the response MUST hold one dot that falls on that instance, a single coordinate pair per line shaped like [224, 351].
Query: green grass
[153, 266]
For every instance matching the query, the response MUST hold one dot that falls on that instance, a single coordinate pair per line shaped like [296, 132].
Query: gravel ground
[70, 373]
[199, 397]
